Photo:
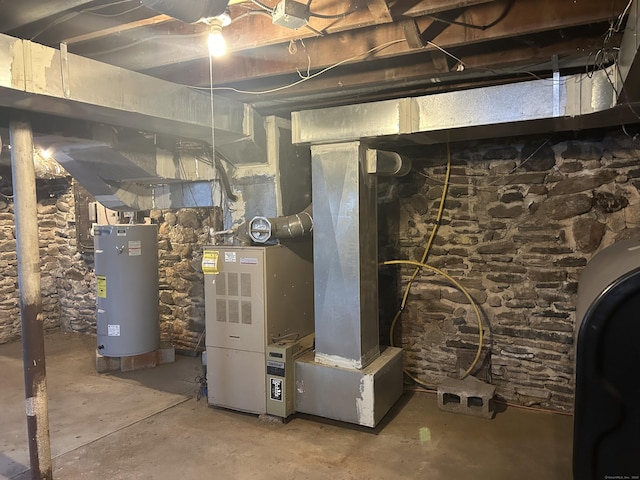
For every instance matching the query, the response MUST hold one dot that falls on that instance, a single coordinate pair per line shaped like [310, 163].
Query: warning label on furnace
[210, 262]
[276, 389]
[101, 282]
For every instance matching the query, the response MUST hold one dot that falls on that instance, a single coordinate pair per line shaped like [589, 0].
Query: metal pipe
[27, 249]
[262, 229]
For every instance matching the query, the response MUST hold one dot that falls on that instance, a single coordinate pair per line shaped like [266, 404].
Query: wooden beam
[419, 73]
[526, 17]
[440, 61]
[412, 33]
[380, 11]
[119, 29]
[430, 7]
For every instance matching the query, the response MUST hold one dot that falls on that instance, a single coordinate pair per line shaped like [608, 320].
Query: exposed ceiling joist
[435, 74]
[412, 33]
[380, 11]
[352, 47]
[369, 48]
[119, 29]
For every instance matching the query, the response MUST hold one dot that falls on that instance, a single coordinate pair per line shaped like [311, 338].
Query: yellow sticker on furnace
[210, 262]
[101, 281]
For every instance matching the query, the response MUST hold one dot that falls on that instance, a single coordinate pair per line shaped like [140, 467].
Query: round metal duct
[189, 12]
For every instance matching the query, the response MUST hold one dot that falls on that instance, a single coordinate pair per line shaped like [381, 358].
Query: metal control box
[281, 374]
[290, 14]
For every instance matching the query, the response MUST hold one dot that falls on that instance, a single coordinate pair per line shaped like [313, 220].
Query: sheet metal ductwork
[608, 97]
[190, 11]
[347, 355]
[262, 229]
[136, 175]
[40, 79]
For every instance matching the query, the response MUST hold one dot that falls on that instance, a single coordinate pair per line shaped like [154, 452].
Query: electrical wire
[434, 230]
[438, 47]
[311, 14]
[332, 17]
[302, 80]
[68, 16]
[263, 6]
[501, 17]
[116, 14]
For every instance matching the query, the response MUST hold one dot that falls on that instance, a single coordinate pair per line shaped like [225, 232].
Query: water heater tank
[606, 434]
[126, 264]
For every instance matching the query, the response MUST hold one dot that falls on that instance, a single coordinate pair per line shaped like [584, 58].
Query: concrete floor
[149, 425]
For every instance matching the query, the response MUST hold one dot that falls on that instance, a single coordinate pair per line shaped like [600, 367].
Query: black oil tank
[606, 434]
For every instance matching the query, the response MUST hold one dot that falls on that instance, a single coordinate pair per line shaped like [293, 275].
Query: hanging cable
[501, 17]
[422, 265]
[464, 291]
[302, 80]
[332, 17]
[434, 230]
[263, 6]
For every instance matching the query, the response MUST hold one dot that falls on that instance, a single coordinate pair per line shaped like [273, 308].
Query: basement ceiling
[349, 52]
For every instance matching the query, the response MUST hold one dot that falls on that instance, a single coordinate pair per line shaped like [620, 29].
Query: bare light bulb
[217, 45]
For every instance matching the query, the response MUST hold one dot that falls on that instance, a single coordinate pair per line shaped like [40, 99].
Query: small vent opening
[450, 398]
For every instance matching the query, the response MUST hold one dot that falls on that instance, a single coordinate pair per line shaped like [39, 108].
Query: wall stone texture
[67, 282]
[68, 278]
[520, 222]
[181, 236]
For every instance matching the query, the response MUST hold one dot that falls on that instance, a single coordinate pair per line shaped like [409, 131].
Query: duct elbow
[262, 229]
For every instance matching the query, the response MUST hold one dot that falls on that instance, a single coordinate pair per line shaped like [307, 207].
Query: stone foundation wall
[181, 236]
[521, 220]
[66, 277]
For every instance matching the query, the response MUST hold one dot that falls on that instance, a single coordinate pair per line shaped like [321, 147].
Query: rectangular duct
[350, 378]
[42, 79]
[345, 256]
[573, 102]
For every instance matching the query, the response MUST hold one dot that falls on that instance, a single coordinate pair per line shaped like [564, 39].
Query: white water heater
[126, 265]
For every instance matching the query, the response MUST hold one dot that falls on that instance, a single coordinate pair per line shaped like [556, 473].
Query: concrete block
[165, 354]
[106, 364]
[468, 397]
[138, 362]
